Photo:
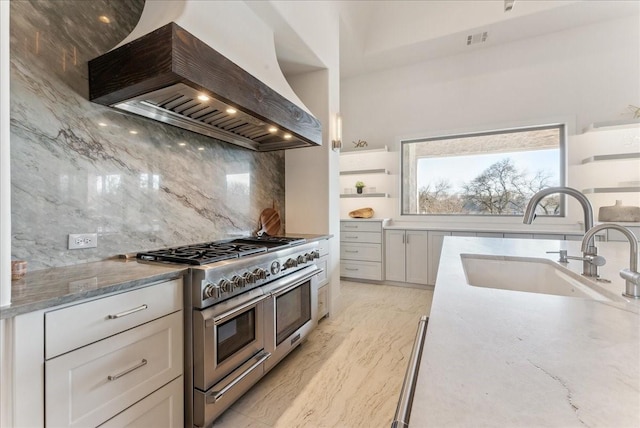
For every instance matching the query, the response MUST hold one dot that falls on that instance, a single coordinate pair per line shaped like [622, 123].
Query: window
[491, 173]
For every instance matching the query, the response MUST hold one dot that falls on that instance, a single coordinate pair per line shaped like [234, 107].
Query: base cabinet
[323, 279]
[361, 249]
[123, 367]
[406, 256]
[163, 408]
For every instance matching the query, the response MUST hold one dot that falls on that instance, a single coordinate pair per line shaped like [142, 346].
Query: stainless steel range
[249, 302]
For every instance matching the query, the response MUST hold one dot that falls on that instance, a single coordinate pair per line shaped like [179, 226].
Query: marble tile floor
[348, 373]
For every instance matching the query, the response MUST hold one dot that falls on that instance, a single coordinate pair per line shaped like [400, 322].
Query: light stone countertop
[501, 358]
[46, 288]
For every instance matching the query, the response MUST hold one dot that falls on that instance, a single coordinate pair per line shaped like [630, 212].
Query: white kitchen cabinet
[162, 409]
[117, 352]
[323, 279]
[436, 239]
[361, 249]
[406, 254]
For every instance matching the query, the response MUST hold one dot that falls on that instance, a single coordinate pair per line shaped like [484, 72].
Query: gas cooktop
[211, 252]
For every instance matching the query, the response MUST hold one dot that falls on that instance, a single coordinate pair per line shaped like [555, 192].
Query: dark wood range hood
[171, 76]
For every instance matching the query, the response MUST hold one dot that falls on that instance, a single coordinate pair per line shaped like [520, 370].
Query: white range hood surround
[230, 27]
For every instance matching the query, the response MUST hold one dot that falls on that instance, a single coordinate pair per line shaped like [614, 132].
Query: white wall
[583, 75]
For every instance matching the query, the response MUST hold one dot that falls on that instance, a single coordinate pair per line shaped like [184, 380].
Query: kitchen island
[496, 357]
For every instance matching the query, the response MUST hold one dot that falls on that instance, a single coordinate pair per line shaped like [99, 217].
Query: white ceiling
[380, 34]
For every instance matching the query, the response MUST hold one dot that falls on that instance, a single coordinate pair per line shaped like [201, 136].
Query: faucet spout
[530, 212]
[631, 275]
[588, 268]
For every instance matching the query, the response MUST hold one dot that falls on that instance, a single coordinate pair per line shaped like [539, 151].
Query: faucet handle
[563, 255]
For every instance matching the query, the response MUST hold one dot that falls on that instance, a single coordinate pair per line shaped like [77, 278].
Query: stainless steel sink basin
[526, 275]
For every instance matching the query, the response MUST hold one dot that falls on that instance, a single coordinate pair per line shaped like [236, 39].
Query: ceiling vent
[473, 39]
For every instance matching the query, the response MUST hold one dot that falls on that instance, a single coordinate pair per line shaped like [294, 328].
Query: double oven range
[248, 303]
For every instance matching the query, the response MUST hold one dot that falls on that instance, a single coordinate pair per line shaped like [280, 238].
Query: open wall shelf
[364, 195]
[365, 171]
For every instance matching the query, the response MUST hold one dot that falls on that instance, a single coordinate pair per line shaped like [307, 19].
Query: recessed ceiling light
[105, 19]
[231, 110]
[273, 129]
[182, 144]
[203, 97]
[102, 124]
[134, 132]
[287, 136]
[201, 148]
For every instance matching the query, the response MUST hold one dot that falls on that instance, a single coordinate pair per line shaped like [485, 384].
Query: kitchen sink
[526, 275]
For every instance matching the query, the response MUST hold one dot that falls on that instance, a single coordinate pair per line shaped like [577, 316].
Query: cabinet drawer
[361, 226]
[162, 409]
[365, 252]
[362, 270]
[75, 326]
[92, 384]
[367, 237]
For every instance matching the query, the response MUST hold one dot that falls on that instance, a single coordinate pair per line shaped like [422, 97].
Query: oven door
[227, 335]
[291, 313]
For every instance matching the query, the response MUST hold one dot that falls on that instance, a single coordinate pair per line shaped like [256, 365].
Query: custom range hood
[172, 76]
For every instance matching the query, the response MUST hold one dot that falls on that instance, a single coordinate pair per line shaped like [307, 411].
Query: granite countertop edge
[48, 288]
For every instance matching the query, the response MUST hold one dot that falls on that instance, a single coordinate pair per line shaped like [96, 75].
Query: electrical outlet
[83, 240]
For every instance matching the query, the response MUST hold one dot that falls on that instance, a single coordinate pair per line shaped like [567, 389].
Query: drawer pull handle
[127, 371]
[129, 312]
[351, 237]
[353, 269]
[351, 251]
[346, 226]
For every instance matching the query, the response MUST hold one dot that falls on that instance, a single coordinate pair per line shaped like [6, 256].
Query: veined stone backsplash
[79, 167]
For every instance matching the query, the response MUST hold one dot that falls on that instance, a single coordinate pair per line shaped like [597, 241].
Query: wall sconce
[336, 141]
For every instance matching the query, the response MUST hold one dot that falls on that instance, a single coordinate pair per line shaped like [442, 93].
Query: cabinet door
[394, 255]
[416, 256]
[162, 409]
[435, 246]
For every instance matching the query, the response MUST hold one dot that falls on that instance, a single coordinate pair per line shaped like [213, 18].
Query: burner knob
[237, 282]
[309, 257]
[301, 259]
[290, 263]
[211, 291]
[249, 277]
[315, 254]
[224, 285]
[260, 273]
[275, 267]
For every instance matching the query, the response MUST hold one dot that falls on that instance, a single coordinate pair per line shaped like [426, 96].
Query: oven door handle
[210, 322]
[214, 396]
[294, 283]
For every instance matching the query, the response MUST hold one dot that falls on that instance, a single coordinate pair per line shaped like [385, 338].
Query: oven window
[235, 334]
[293, 310]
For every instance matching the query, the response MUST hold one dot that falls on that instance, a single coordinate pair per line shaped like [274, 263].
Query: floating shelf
[359, 151]
[365, 171]
[365, 195]
[599, 126]
[618, 156]
[612, 190]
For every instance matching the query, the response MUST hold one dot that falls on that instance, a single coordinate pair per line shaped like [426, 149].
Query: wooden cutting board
[269, 222]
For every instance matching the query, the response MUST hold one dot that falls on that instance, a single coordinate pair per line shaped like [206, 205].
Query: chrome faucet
[631, 275]
[590, 260]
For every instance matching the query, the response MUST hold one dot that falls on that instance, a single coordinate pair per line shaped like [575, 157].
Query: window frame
[563, 136]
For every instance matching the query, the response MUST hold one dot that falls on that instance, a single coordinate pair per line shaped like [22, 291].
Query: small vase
[359, 189]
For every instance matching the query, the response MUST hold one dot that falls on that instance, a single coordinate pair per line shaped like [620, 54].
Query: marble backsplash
[79, 167]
